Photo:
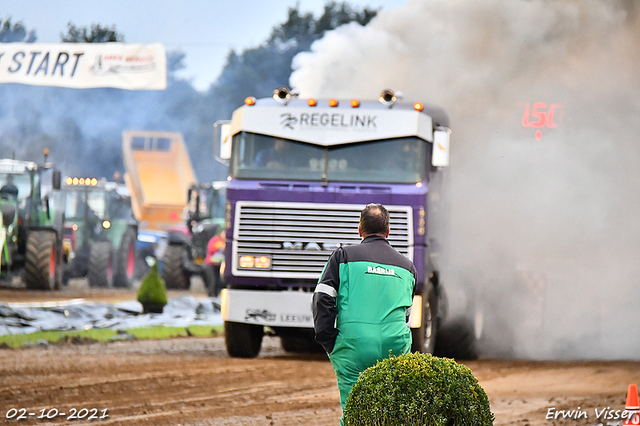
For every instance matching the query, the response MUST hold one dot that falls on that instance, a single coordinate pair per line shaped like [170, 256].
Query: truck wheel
[41, 261]
[424, 338]
[101, 264]
[125, 259]
[457, 339]
[300, 344]
[243, 340]
[173, 271]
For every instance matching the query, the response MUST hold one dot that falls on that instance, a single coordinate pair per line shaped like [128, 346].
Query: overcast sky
[203, 29]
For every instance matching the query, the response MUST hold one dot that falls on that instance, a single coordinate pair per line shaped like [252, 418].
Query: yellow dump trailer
[158, 175]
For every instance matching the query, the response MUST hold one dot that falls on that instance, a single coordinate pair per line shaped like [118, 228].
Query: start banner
[85, 65]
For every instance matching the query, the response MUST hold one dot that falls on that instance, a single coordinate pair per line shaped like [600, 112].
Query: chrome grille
[299, 237]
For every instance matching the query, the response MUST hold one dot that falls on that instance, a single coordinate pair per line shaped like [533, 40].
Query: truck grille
[299, 237]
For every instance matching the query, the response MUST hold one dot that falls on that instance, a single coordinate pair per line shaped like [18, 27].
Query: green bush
[417, 389]
[152, 292]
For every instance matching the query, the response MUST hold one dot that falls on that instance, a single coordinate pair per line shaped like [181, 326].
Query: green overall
[371, 304]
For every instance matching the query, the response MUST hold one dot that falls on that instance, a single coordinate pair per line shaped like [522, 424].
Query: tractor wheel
[424, 338]
[173, 272]
[243, 340]
[125, 259]
[40, 271]
[101, 264]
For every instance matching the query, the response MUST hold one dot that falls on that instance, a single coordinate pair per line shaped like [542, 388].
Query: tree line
[82, 127]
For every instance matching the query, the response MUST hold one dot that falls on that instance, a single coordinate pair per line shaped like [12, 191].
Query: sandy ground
[193, 381]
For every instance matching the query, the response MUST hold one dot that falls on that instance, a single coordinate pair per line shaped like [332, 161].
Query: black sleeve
[415, 278]
[324, 303]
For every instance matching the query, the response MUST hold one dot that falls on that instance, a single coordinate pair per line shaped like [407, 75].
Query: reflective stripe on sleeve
[326, 289]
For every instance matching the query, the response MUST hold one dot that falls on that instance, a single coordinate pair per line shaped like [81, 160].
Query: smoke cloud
[543, 191]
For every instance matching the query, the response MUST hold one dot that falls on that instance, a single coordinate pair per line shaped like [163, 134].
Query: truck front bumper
[268, 308]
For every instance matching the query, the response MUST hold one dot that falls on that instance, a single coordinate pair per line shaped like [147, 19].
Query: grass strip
[104, 335]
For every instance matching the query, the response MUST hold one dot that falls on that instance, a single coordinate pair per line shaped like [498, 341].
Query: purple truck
[300, 172]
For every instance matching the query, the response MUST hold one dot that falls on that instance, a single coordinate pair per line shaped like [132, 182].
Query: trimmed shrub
[417, 389]
[152, 293]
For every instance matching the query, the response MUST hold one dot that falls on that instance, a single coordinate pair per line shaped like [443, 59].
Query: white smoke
[546, 232]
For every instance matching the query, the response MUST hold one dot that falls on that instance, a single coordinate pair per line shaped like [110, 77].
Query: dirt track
[192, 381]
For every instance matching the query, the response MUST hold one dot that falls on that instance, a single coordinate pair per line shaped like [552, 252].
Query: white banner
[85, 65]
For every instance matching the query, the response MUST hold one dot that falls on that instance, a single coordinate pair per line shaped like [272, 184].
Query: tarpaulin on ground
[85, 65]
[21, 318]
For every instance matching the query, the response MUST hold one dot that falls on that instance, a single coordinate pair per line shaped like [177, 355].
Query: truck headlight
[106, 224]
[263, 262]
[254, 262]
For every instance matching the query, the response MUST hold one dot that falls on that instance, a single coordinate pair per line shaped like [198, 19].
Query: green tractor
[30, 230]
[100, 233]
[198, 248]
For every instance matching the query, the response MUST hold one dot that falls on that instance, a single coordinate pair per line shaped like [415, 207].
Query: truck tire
[173, 272]
[243, 340]
[125, 259]
[101, 264]
[40, 271]
[457, 339]
[424, 338]
[300, 344]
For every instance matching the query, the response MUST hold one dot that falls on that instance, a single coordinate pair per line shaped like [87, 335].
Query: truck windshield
[400, 160]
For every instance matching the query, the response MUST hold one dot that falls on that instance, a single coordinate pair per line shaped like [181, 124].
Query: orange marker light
[333, 103]
[69, 181]
[250, 100]
[94, 182]
[418, 106]
[75, 181]
[355, 103]
[312, 102]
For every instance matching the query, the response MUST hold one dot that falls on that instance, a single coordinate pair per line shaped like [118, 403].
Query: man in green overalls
[362, 301]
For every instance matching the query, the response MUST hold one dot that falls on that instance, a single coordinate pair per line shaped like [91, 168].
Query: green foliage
[417, 389]
[259, 70]
[152, 290]
[72, 124]
[12, 33]
[97, 34]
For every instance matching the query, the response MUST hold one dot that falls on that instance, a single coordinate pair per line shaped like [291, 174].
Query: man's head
[374, 220]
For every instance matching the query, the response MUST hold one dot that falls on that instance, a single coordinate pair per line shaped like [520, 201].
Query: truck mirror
[222, 141]
[56, 179]
[440, 153]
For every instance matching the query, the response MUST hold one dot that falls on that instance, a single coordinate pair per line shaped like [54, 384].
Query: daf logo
[309, 246]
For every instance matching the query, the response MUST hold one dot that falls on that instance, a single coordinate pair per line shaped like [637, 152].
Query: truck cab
[300, 173]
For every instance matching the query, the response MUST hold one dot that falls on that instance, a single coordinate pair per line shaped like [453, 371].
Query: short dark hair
[374, 219]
